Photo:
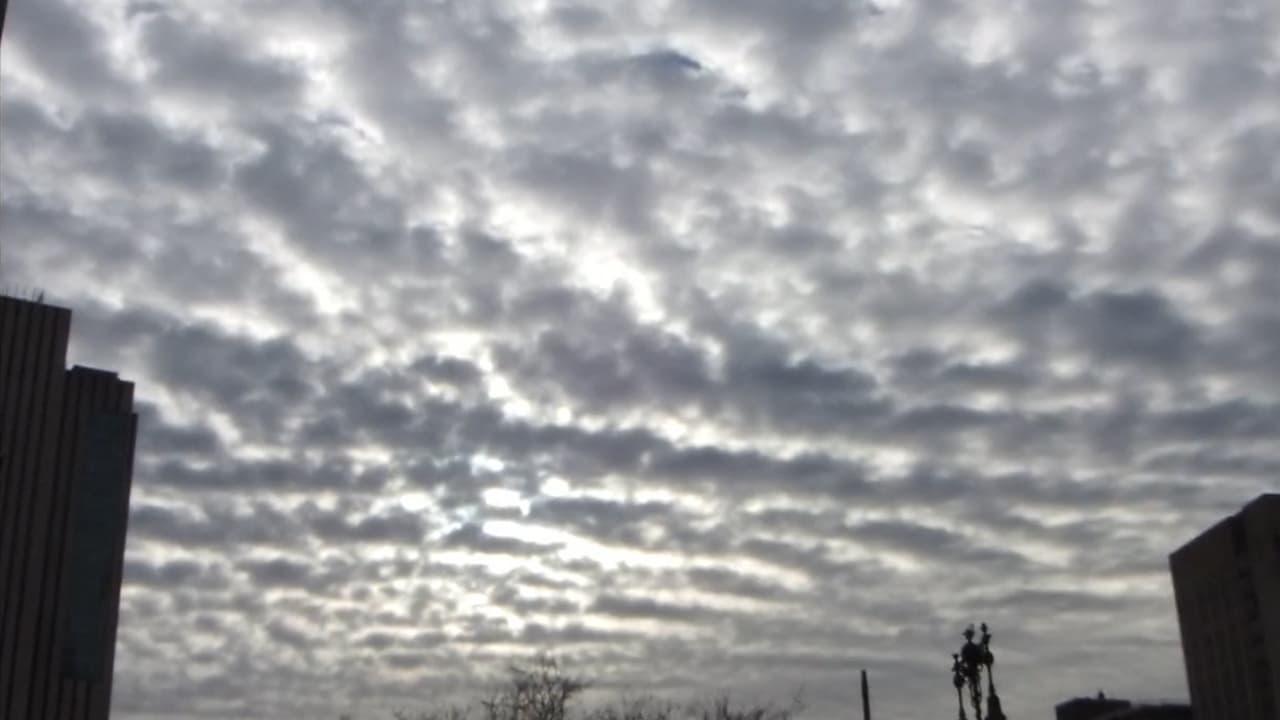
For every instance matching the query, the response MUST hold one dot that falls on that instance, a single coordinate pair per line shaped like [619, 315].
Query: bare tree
[641, 707]
[540, 691]
[721, 708]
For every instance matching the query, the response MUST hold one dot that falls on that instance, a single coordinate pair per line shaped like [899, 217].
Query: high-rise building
[1226, 584]
[66, 462]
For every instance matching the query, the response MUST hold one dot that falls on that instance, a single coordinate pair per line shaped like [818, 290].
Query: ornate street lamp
[966, 672]
[957, 679]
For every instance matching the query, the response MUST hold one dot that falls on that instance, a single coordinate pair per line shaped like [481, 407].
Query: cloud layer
[708, 343]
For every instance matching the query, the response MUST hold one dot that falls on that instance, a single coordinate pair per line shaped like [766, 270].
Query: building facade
[1226, 584]
[66, 462]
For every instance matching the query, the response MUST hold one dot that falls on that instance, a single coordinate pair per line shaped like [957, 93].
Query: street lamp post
[957, 679]
[967, 670]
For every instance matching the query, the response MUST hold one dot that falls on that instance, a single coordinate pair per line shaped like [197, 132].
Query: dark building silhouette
[1166, 711]
[1226, 583]
[1105, 708]
[66, 461]
[1089, 708]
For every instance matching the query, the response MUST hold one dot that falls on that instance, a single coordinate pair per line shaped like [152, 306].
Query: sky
[706, 344]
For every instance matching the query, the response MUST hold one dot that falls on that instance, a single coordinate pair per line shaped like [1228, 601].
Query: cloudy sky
[709, 344]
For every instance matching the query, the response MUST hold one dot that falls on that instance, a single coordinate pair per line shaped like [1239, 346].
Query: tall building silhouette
[1086, 708]
[66, 461]
[1105, 708]
[1226, 584]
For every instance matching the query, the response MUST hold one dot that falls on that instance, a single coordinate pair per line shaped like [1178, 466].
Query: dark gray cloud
[278, 572]
[174, 574]
[216, 65]
[714, 344]
[69, 46]
[648, 609]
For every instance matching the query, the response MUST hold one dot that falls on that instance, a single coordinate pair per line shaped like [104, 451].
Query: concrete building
[1226, 584]
[66, 462]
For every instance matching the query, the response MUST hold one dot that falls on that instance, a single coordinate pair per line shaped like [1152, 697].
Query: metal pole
[866, 698]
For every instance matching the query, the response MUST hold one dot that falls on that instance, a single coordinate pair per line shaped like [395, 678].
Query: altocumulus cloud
[709, 344]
